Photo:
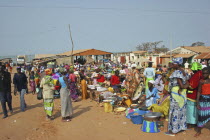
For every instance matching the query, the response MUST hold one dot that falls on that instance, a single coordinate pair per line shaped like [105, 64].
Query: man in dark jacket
[20, 83]
[5, 90]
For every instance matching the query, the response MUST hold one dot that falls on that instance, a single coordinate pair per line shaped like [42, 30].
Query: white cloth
[186, 65]
[149, 72]
[133, 65]
[203, 66]
[122, 72]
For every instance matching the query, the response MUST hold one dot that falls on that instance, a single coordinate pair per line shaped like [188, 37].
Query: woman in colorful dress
[37, 80]
[83, 84]
[192, 114]
[149, 73]
[48, 93]
[32, 82]
[203, 101]
[152, 94]
[177, 88]
[66, 104]
[132, 80]
[73, 85]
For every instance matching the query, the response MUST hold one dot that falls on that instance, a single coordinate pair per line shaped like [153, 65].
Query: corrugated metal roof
[85, 52]
[183, 55]
[139, 52]
[197, 49]
[203, 56]
[166, 56]
[38, 56]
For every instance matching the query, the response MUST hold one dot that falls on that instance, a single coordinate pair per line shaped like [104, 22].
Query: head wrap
[196, 66]
[178, 60]
[48, 71]
[158, 72]
[152, 82]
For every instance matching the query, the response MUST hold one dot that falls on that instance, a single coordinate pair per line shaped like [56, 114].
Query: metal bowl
[143, 108]
[152, 116]
[134, 106]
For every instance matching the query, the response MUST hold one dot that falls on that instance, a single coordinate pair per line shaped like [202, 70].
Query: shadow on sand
[17, 110]
[76, 114]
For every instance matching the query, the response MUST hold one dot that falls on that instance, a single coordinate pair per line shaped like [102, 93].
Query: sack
[40, 95]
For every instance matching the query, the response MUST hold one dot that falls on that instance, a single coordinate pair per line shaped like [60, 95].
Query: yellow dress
[162, 108]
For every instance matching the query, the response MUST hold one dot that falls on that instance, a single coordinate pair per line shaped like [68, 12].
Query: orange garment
[205, 89]
[84, 89]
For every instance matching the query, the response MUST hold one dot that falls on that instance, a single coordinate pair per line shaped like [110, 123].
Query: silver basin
[153, 115]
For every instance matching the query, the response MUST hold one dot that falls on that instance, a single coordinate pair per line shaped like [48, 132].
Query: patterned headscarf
[48, 71]
[178, 60]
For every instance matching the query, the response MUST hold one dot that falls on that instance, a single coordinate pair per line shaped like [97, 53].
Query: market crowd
[179, 91]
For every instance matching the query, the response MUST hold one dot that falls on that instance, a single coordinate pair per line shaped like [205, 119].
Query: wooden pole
[171, 48]
[72, 57]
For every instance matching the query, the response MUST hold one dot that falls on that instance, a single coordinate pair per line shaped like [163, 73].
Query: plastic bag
[40, 95]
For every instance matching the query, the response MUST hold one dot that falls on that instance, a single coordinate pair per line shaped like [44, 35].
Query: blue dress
[153, 99]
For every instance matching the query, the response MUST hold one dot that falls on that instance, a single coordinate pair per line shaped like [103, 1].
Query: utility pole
[72, 49]
[171, 48]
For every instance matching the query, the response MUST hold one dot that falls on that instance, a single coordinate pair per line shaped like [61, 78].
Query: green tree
[198, 44]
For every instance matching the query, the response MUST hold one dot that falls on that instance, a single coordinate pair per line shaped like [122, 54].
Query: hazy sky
[41, 26]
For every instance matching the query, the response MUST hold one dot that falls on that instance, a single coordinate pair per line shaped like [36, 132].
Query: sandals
[169, 134]
[66, 120]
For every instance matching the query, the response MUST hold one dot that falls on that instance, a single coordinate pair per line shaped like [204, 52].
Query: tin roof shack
[204, 57]
[82, 54]
[5, 60]
[194, 51]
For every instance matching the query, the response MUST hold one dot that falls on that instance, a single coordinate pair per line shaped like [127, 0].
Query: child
[203, 101]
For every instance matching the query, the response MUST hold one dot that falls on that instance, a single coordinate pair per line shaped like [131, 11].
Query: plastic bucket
[142, 112]
[132, 111]
[137, 119]
[128, 102]
[129, 115]
[108, 107]
[150, 127]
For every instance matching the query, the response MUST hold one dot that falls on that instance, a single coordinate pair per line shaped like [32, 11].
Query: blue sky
[41, 26]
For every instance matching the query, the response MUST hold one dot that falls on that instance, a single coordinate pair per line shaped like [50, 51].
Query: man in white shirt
[186, 65]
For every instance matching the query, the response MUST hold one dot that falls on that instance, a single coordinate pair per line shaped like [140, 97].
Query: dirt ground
[89, 122]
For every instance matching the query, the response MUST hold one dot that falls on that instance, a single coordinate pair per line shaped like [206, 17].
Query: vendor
[100, 78]
[152, 94]
[163, 106]
[115, 81]
[94, 76]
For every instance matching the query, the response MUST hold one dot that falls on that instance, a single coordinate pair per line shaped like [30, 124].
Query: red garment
[72, 77]
[205, 89]
[115, 80]
[194, 82]
[101, 78]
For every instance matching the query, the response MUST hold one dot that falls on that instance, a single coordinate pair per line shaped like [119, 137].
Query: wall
[66, 60]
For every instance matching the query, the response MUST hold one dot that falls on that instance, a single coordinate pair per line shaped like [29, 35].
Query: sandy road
[89, 122]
